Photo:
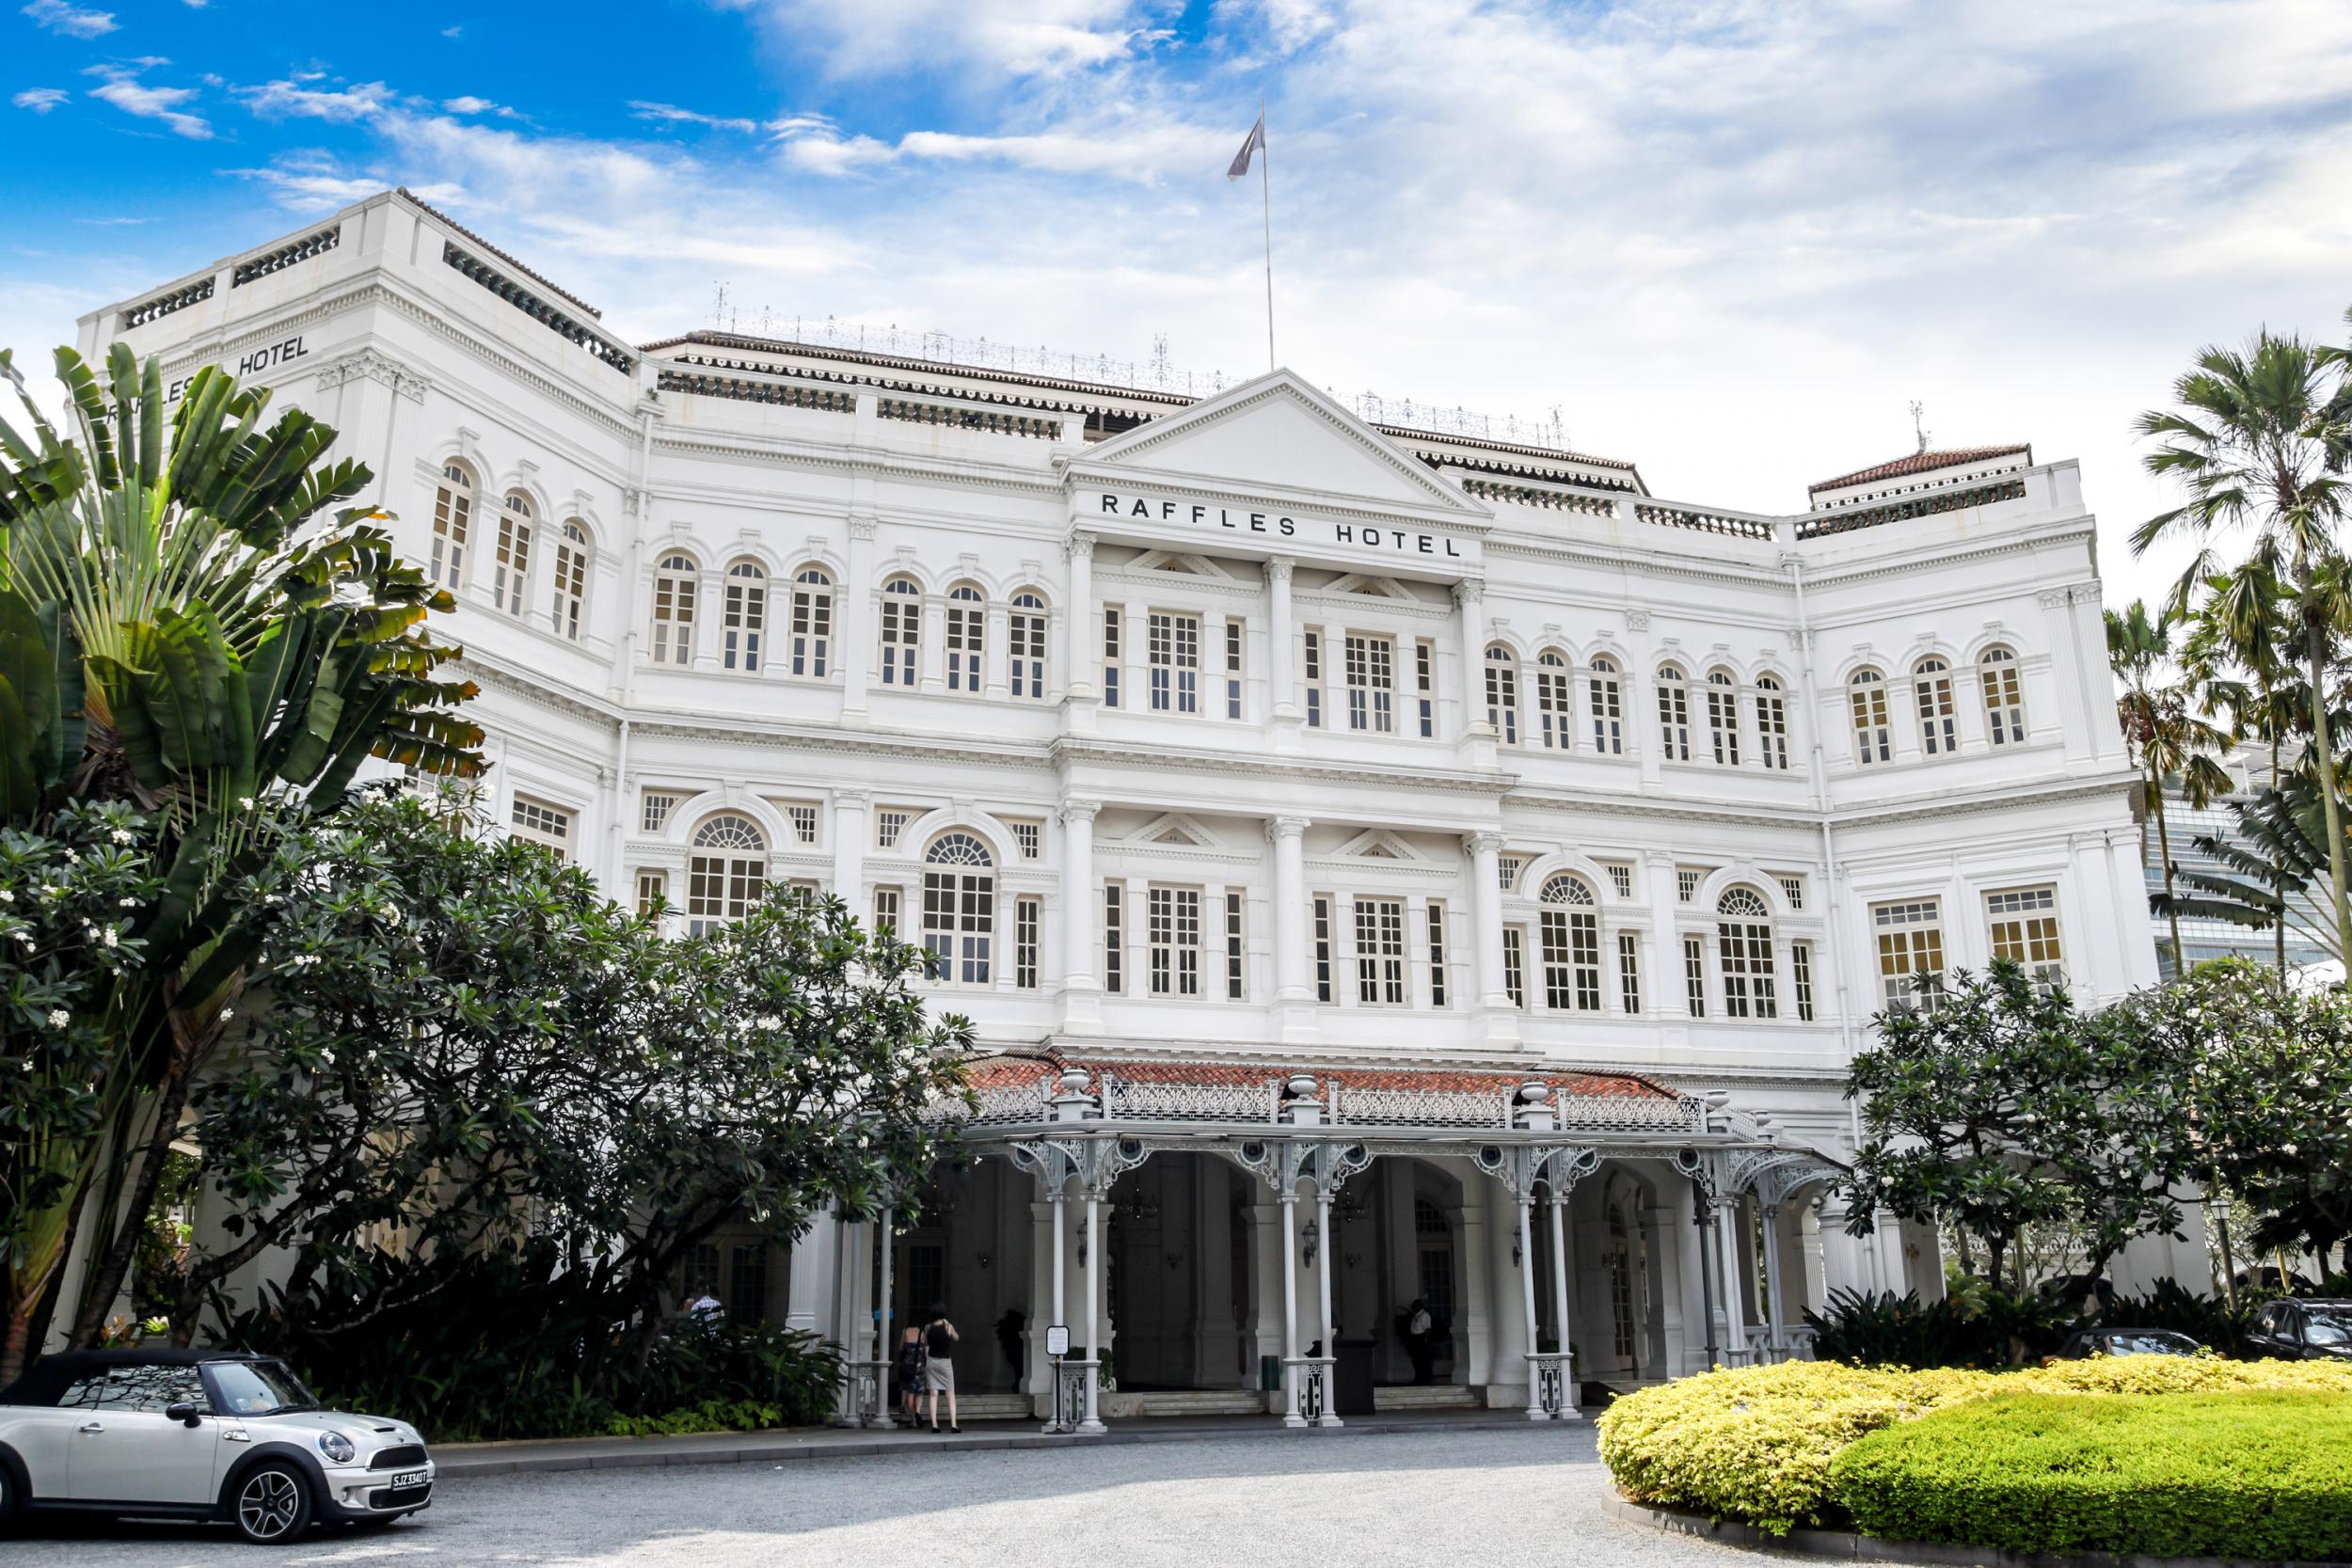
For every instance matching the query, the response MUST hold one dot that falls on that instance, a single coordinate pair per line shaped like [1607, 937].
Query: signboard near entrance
[1058, 1340]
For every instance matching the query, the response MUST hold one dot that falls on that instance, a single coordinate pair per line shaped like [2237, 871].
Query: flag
[1254, 142]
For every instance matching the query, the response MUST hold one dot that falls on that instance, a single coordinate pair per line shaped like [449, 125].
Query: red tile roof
[1030, 1068]
[1921, 463]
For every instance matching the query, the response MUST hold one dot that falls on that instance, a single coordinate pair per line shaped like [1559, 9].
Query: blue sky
[1730, 240]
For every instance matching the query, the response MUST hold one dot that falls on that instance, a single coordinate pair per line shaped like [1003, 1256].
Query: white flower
[7, 897]
[109, 938]
[59, 1019]
[121, 836]
[228, 1013]
[126, 903]
[245, 802]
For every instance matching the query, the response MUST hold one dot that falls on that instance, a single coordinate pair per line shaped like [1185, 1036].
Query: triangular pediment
[1371, 588]
[1278, 435]
[1179, 563]
[1377, 843]
[1177, 828]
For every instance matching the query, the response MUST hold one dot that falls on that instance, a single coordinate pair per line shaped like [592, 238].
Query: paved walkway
[1520, 1495]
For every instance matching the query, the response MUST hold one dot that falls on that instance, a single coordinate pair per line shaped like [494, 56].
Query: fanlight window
[674, 585]
[1772, 721]
[1607, 707]
[1939, 723]
[452, 515]
[1674, 712]
[726, 875]
[1025, 633]
[811, 621]
[1723, 716]
[1502, 694]
[901, 631]
[1566, 888]
[967, 634]
[1873, 735]
[745, 620]
[959, 908]
[1744, 941]
[2004, 696]
[511, 571]
[571, 579]
[1551, 699]
[1571, 946]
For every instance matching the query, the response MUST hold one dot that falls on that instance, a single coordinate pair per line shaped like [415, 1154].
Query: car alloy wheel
[272, 1504]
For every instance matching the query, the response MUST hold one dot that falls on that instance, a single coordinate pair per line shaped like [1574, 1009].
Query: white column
[1280, 644]
[1775, 1311]
[1527, 1303]
[1323, 1285]
[1294, 987]
[1470, 597]
[1077, 621]
[1291, 1418]
[995, 651]
[1494, 997]
[1730, 1216]
[1081, 989]
[1061, 1302]
[1559, 1300]
[851, 834]
[883, 1350]
[853, 641]
[1094, 1420]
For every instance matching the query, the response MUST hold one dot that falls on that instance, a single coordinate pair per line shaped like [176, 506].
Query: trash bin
[1270, 1374]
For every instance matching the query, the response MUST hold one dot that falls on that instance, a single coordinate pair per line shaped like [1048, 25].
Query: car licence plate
[408, 1478]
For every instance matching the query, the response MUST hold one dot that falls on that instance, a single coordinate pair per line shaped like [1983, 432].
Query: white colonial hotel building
[1348, 838]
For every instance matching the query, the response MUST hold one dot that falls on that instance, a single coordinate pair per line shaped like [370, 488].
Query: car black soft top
[52, 1375]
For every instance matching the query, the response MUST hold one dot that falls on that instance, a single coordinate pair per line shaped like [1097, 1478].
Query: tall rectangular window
[1772, 723]
[1027, 914]
[1235, 633]
[1437, 954]
[1551, 702]
[1801, 978]
[1722, 718]
[811, 623]
[1323, 947]
[1425, 686]
[2026, 930]
[1608, 705]
[1380, 952]
[1674, 714]
[1630, 971]
[1694, 975]
[886, 909]
[1114, 938]
[966, 637]
[653, 893]
[1571, 960]
[1025, 645]
[1911, 951]
[901, 631]
[1371, 684]
[1236, 984]
[1311, 665]
[1515, 964]
[1744, 949]
[1174, 646]
[1111, 656]
[1502, 694]
[1173, 926]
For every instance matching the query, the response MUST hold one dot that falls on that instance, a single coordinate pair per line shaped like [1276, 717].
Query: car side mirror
[187, 1412]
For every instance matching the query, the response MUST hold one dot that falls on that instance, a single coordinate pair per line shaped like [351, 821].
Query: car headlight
[335, 1446]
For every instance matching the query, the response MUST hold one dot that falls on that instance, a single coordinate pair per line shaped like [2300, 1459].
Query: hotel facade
[1385, 865]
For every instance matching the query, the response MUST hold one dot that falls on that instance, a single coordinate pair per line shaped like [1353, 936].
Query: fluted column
[1281, 651]
[1294, 987]
[853, 647]
[1494, 996]
[851, 834]
[1081, 988]
[1470, 604]
[1077, 621]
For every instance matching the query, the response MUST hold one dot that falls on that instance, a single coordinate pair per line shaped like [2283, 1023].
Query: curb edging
[1850, 1546]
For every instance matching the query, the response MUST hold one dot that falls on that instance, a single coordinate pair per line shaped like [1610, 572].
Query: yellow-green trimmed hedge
[2262, 1475]
[1756, 1443]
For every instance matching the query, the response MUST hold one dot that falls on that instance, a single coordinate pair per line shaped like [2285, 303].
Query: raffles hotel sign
[1253, 527]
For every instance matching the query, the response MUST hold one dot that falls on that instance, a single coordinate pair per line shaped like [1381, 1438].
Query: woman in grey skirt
[939, 1365]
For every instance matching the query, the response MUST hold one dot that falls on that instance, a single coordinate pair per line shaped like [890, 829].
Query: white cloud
[122, 88]
[41, 99]
[468, 103]
[1040, 38]
[458, 31]
[288, 99]
[670, 113]
[72, 21]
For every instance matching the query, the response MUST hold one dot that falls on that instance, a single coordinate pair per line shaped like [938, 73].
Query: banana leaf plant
[193, 622]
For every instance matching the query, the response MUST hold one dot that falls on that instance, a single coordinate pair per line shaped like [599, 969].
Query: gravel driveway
[1518, 1497]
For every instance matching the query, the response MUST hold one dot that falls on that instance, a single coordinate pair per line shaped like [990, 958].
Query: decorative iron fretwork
[1523, 1167]
[1551, 1385]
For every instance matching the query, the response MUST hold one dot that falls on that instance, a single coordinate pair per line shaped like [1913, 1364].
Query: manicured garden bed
[1767, 1445]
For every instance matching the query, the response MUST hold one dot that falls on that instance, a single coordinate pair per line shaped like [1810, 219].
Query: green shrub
[1756, 1443]
[2261, 1474]
[710, 1416]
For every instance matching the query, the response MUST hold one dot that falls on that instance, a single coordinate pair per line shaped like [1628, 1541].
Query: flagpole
[1265, 191]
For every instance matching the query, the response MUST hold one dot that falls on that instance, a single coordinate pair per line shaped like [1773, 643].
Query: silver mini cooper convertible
[200, 1434]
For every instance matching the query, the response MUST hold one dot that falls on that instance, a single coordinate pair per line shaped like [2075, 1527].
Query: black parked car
[2085, 1343]
[2295, 1330]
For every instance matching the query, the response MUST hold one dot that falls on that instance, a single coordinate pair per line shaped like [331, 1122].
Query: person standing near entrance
[939, 1365]
[1417, 1327]
[911, 1375]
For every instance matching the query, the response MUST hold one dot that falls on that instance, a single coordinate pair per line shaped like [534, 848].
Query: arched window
[674, 585]
[1743, 935]
[2004, 696]
[1873, 737]
[811, 621]
[1723, 716]
[1772, 721]
[1939, 723]
[726, 875]
[511, 569]
[1674, 711]
[1502, 694]
[571, 579]
[1571, 938]
[1608, 707]
[744, 621]
[452, 515]
[1551, 699]
[959, 908]
[1024, 634]
[967, 635]
[901, 631]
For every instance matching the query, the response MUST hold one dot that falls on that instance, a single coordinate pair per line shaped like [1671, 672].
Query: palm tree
[2259, 440]
[2165, 735]
[185, 626]
[2272, 873]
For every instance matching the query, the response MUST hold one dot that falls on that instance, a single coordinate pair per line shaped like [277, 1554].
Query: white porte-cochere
[1418, 893]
